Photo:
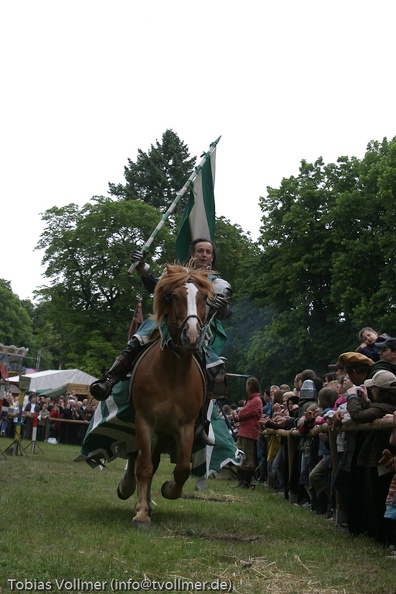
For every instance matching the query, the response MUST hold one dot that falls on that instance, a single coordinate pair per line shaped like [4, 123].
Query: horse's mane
[173, 277]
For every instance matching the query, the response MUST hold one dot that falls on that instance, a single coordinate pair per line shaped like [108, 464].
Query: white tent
[43, 381]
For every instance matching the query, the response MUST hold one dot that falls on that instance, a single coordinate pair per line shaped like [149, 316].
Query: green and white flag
[199, 215]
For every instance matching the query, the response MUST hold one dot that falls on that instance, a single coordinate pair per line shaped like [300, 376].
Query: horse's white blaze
[192, 323]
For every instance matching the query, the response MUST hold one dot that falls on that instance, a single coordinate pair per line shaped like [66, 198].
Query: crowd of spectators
[326, 444]
[49, 413]
[329, 444]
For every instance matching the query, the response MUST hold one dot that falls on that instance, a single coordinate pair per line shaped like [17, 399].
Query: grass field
[61, 520]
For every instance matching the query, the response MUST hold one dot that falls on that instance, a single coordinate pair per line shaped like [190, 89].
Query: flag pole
[176, 201]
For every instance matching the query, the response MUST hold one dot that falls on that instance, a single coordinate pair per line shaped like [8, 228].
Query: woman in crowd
[249, 431]
[320, 475]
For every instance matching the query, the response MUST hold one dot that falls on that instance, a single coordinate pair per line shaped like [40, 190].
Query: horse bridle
[180, 327]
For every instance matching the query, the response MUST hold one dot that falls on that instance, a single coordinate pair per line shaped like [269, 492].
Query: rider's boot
[102, 388]
[201, 430]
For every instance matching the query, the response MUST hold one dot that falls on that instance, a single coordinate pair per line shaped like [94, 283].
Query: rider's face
[203, 254]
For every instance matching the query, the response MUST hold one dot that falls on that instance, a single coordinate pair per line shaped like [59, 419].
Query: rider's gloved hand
[219, 304]
[138, 257]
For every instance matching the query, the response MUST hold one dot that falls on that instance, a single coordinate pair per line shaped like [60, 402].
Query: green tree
[16, 324]
[326, 264]
[364, 267]
[92, 297]
[16, 327]
[158, 175]
[235, 249]
[292, 291]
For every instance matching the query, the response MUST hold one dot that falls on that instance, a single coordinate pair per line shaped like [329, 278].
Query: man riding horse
[203, 255]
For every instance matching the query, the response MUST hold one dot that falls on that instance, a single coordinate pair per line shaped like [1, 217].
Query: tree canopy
[16, 326]
[322, 268]
[158, 175]
[87, 255]
[326, 265]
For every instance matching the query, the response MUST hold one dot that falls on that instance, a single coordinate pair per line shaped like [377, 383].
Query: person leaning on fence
[42, 422]
[32, 408]
[274, 442]
[263, 440]
[308, 447]
[372, 485]
[320, 475]
[357, 367]
[66, 428]
[280, 464]
[310, 384]
[388, 461]
[55, 427]
[248, 432]
[202, 255]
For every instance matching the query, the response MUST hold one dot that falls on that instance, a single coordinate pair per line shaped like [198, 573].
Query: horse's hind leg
[127, 485]
[184, 441]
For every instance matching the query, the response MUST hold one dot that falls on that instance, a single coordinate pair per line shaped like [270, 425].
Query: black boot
[201, 430]
[248, 478]
[102, 388]
[241, 474]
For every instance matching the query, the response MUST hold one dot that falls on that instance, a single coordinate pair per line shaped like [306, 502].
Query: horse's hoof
[169, 490]
[140, 522]
[120, 495]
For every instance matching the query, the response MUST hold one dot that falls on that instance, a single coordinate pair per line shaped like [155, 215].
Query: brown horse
[168, 387]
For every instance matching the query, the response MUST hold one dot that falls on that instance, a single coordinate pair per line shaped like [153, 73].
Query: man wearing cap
[359, 368]
[362, 410]
[387, 353]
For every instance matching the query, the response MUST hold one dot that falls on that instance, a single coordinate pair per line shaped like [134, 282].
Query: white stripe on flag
[198, 217]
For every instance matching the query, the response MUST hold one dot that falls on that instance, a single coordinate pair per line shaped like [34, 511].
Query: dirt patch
[218, 499]
[217, 536]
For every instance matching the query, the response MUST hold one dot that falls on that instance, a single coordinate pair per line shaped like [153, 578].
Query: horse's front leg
[184, 442]
[127, 485]
[144, 472]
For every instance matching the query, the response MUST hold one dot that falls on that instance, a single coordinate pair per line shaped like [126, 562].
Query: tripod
[15, 448]
[34, 446]
[3, 454]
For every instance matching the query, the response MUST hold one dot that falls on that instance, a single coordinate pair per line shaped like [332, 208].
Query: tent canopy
[43, 382]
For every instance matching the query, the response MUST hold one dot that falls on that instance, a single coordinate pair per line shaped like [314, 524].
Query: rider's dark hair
[199, 240]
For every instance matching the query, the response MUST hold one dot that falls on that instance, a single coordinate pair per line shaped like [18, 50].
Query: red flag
[4, 370]
[137, 319]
